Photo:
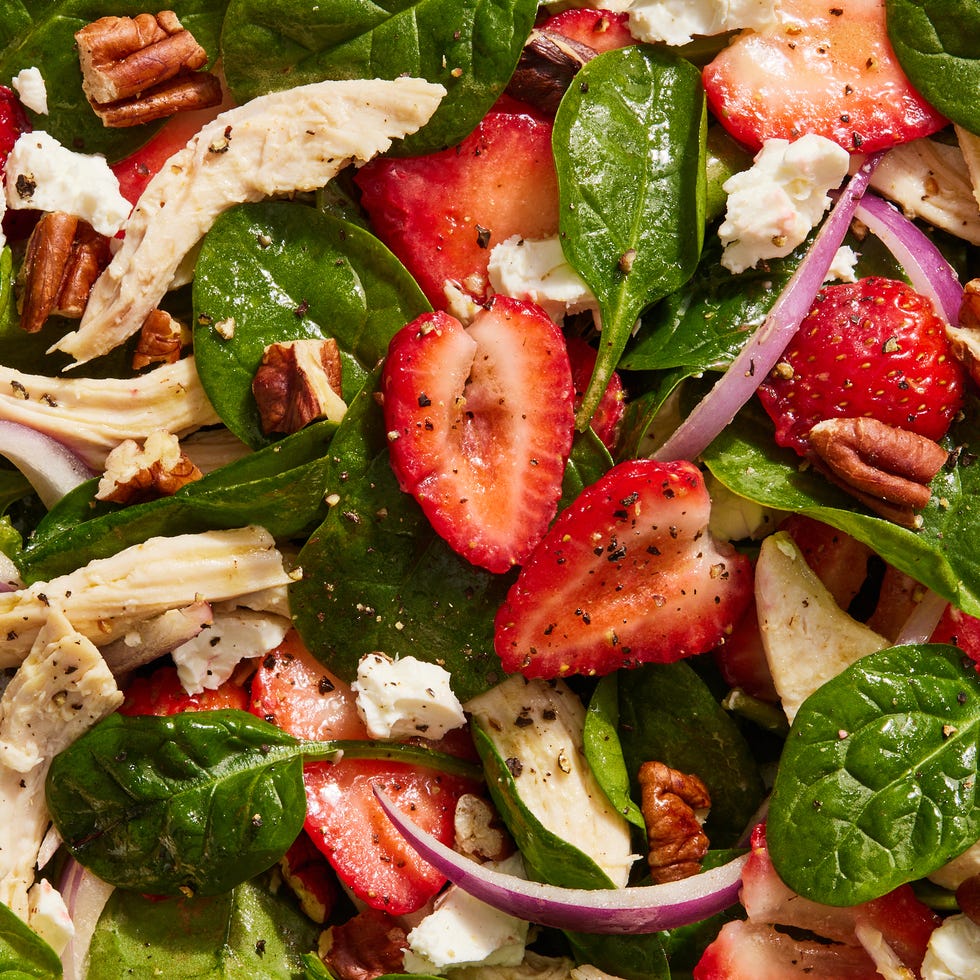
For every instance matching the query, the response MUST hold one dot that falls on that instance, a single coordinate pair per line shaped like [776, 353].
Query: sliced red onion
[612, 911]
[923, 620]
[85, 897]
[50, 466]
[757, 358]
[928, 271]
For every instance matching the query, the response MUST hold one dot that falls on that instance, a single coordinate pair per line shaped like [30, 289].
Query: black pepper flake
[26, 185]
[324, 685]
[514, 766]
[260, 947]
[482, 236]
[302, 309]
[424, 400]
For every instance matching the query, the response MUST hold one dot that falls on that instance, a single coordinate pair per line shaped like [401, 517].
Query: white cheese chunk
[678, 21]
[405, 697]
[29, 85]
[463, 931]
[775, 204]
[842, 268]
[48, 915]
[43, 175]
[953, 952]
[535, 269]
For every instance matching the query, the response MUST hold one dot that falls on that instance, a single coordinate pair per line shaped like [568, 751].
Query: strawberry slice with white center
[628, 574]
[480, 423]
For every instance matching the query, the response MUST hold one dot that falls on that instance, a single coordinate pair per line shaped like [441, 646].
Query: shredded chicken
[282, 142]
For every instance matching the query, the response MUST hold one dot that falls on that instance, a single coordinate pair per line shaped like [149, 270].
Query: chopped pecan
[480, 833]
[965, 338]
[887, 468]
[546, 68]
[135, 69]
[670, 801]
[158, 468]
[297, 382]
[64, 257]
[161, 340]
[367, 946]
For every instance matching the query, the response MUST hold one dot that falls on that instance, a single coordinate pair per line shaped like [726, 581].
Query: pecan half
[64, 257]
[161, 340]
[134, 473]
[669, 801]
[136, 69]
[297, 382]
[546, 68]
[888, 469]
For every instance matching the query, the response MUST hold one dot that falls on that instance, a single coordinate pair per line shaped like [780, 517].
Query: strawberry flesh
[161, 693]
[480, 424]
[873, 348]
[823, 68]
[627, 574]
[441, 214]
[603, 30]
[607, 418]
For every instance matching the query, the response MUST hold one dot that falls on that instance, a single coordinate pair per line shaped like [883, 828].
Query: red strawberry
[872, 348]
[823, 68]
[603, 30]
[480, 424]
[608, 416]
[13, 122]
[161, 693]
[442, 213]
[961, 630]
[627, 574]
[344, 819]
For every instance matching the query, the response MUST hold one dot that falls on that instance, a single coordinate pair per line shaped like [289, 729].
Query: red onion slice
[609, 911]
[50, 466]
[85, 897]
[757, 358]
[928, 271]
[923, 620]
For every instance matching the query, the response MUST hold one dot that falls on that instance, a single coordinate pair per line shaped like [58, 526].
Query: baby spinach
[937, 43]
[23, 954]
[249, 933]
[40, 33]
[877, 782]
[940, 555]
[629, 144]
[279, 487]
[285, 271]
[469, 46]
[195, 803]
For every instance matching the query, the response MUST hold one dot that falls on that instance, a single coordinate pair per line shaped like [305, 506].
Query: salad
[489, 489]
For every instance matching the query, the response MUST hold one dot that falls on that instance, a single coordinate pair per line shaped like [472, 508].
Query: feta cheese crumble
[678, 21]
[775, 204]
[43, 175]
[405, 697]
[953, 952]
[30, 87]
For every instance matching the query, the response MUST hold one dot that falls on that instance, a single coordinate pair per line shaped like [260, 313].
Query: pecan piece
[887, 468]
[670, 801]
[64, 257]
[546, 68]
[367, 946]
[134, 473]
[161, 340]
[965, 338]
[136, 69]
[297, 382]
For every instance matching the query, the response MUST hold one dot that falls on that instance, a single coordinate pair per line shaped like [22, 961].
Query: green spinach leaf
[248, 933]
[284, 271]
[629, 142]
[469, 46]
[937, 43]
[877, 782]
[23, 954]
[40, 33]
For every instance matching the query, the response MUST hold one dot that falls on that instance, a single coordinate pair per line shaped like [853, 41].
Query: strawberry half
[823, 68]
[442, 213]
[873, 348]
[627, 574]
[603, 30]
[480, 424]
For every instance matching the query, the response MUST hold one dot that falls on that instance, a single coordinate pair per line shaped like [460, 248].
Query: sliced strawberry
[961, 630]
[13, 122]
[872, 348]
[608, 416]
[310, 878]
[627, 574]
[480, 424]
[161, 693]
[291, 689]
[741, 659]
[603, 30]
[821, 68]
[442, 213]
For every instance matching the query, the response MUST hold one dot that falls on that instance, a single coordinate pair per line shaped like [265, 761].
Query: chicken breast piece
[295, 140]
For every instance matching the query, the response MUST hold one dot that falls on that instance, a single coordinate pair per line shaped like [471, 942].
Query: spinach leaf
[23, 953]
[629, 142]
[248, 933]
[877, 782]
[41, 33]
[667, 713]
[469, 46]
[937, 43]
[604, 751]
[284, 271]
[280, 487]
[940, 555]
[640, 957]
